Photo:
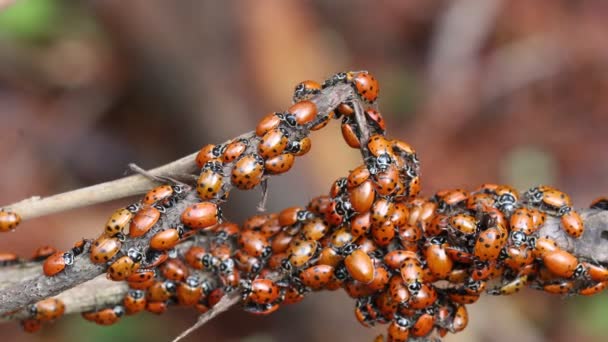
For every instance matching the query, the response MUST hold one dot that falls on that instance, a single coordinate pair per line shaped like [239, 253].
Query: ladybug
[328, 256]
[317, 277]
[207, 153]
[210, 181]
[559, 287]
[166, 239]
[341, 240]
[31, 325]
[462, 297]
[395, 258]
[201, 215]
[412, 273]
[460, 320]
[600, 203]
[362, 197]
[413, 187]
[423, 325]
[383, 235]
[517, 257]
[365, 84]
[381, 279]
[159, 194]
[572, 222]
[388, 182]
[345, 109]
[234, 150]
[476, 201]
[489, 243]
[143, 221]
[281, 242]
[561, 263]
[300, 252]
[510, 287]
[302, 112]
[538, 218]
[360, 266]
[451, 198]
[104, 248]
[542, 246]
[118, 221]
[299, 147]
[254, 244]
[141, 275]
[357, 176]
[190, 291]
[57, 262]
[134, 302]
[194, 256]
[43, 252]
[273, 143]
[8, 220]
[507, 198]
[360, 224]
[350, 133]
[161, 291]
[381, 211]
[293, 215]
[47, 309]
[410, 236]
[319, 205]
[108, 316]
[438, 261]
[174, 269]
[321, 121]
[260, 291]
[378, 145]
[156, 307]
[315, 229]
[247, 172]
[463, 223]
[548, 197]
[246, 263]
[522, 220]
[423, 298]
[268, 123]
[596, 273]
[399, 329]
[122, 268]
[404, 149]
[279, 164]
[593, 289]
[376, 119]
[397, 289]
[306, 90]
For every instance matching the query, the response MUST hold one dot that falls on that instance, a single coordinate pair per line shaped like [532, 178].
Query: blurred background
[487, 91]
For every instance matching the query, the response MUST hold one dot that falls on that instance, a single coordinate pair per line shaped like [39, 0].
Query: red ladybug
[166, 239]
[234, 150]
[279, 164]
[306, 90]
[134, 301]
[210, 181]
[201, 215]
[122, 268]
[248, 172]
[57, 262]
[8, 220]
[47, 309]
[190, 291]
[174, 269]
[268, 123]
[273, 143]
[260, 291]
[572, 222]
[317, 277]
[104, 248]
[360, 266]
[143, 221]
[302, 112]
[365, 84]
[31, 325]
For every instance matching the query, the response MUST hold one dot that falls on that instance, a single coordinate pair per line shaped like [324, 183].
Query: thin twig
[223, 305]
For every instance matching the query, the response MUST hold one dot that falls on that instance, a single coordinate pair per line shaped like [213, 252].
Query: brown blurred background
[487, 91]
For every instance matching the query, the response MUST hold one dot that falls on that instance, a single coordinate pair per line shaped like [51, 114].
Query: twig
[94, 294]
[133, 185]
[223, 305]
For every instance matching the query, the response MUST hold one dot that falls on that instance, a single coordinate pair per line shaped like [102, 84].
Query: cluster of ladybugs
[410, 262]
